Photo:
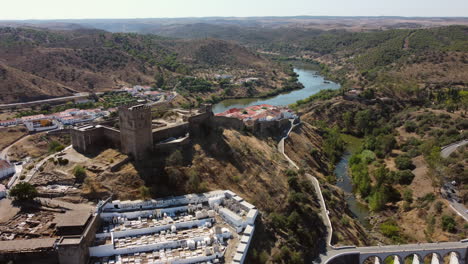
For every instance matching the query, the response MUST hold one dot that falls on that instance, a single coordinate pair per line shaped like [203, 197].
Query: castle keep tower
[136, 136]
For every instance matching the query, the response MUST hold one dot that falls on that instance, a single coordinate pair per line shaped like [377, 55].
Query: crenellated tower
[135, 130]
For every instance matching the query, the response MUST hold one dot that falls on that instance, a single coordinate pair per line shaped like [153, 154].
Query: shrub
[438, 207]
[410, 126]
[175, 158]
[404, 177]
[390, 229]
[55, 146]
[408, 195]
[404, 162]
[80, 173]
[62, 162]
[23, 191]
[448, 224]
[145, 192]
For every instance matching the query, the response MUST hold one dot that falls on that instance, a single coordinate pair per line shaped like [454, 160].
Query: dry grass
[10, 135]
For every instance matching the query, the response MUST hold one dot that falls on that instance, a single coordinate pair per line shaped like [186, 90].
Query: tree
[363, 121]
[145, 192]
[23, 191]
[448, 224]
[404, 162]
[404, 177]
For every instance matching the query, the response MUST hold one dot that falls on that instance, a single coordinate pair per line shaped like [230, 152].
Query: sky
[79, 9]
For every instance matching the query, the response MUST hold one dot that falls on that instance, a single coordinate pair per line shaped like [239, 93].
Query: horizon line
[238, 17]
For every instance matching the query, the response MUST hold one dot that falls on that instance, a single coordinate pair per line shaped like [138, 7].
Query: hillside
[38, 64]
[289, 224]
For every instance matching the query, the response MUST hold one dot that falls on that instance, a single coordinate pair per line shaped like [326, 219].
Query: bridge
[434, 253]
[451, 252]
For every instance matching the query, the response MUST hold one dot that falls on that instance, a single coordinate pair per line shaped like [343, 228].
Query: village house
[9, 122]
[40, 125]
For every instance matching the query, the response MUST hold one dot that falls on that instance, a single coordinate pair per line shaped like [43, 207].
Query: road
[447, 150]
[459, 208]
[323, 212]
[4, 152]
[40, 163]
[45, 101]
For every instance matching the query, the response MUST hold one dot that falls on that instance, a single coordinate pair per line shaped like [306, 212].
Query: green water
[313, 83]
[345, 183]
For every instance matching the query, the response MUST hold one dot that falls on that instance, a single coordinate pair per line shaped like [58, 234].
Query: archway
[373, 260]
[429, 256]
[452, 258]
[393, 259]
[413, 259]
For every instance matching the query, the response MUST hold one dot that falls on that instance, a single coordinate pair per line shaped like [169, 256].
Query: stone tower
[136, 135]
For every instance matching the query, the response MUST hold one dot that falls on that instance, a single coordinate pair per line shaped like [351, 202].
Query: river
[344, 182]
[313, 83]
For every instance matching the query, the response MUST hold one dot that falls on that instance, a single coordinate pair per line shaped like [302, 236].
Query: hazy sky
[63, 9]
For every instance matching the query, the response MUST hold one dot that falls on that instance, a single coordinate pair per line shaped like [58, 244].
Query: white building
[40, 125]
[6, 169]
[10, 122]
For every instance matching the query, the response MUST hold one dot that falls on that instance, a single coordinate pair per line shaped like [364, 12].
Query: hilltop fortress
[137, 137]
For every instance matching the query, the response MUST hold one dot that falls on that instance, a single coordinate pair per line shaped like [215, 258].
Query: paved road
[447, 150]
[459, 208]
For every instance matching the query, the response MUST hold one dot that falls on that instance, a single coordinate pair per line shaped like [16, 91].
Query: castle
[136, 137]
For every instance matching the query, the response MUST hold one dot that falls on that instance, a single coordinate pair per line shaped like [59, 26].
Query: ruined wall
[200, 125]
[229, 122]
[112, 136]
[163, 133]
[87, 140]
[271, 128]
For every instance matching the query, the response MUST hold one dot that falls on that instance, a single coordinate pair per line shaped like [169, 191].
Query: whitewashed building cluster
[194, 228]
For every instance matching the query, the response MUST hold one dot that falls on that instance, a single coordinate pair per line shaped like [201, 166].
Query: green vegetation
[322, 95]
[55, 146]
[79, 172]
[294, 223]
[145, 192]
[391, 230]
[195, 85]
[23, 191]
[448, 224]
[404, 162]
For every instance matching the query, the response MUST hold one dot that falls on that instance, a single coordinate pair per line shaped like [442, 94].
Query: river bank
[312, 82]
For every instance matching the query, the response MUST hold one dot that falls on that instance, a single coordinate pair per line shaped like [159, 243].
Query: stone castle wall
[163, 133]
[229, 122]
